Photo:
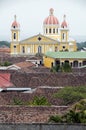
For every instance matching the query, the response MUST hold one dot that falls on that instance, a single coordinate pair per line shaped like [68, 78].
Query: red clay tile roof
[25, 64]
[5, 50]
[5, 80]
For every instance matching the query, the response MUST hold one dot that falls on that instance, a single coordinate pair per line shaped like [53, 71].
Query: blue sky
[31, 14]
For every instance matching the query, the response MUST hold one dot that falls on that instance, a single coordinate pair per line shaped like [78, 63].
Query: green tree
[66, 67]
[77, 114]
[70, 95]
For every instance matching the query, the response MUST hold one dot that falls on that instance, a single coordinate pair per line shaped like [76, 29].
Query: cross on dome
[64, 17]
[15, 17]
[51, 11]
[64, 23]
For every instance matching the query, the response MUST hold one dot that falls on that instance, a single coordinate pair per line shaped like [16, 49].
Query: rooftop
[67, 55]
[5, 80]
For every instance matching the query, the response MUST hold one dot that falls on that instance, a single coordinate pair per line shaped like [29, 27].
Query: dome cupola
[51, 19]
[64, 23]
[15, 24]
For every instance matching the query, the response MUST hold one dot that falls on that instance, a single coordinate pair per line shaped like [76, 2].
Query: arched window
[14, 35]
[39, 49]
[50, 30]
[84, 62]
[75, 63]
[56, 49]
[46, 30]
[28, 49]
[57, 30]
[63, 36]
[23, 49]
[54, 30]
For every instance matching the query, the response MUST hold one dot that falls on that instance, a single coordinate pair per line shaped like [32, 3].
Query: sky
[31, 14]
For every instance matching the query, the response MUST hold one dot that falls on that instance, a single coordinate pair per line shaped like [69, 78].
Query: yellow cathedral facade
[55, 38]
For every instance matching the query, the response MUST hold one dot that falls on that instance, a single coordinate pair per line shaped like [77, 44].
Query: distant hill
[81, 45]
[6, 43]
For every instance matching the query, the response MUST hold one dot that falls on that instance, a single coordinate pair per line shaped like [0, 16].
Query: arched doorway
[75, 64]
[39, 49]
[66, 61]
[84, 62]
[57, 62]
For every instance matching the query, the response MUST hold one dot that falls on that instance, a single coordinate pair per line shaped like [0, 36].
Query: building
[75, 59]
[55, 38]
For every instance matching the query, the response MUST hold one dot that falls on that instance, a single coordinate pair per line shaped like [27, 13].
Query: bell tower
[64, 30]
[15, 36]
[15, 30]
[64, 35]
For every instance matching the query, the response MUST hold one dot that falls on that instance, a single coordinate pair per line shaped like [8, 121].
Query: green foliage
[70, 95]
[80, 106]
[72, 116]
[17, 101]
[56, 118]
[6, 63]
[56, 68]
[38, 101]
[66, 67]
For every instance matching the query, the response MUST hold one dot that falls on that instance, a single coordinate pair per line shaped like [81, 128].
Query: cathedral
[54, 43]
[55, 37]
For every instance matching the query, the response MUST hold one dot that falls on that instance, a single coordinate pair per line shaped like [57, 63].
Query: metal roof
[67, 55]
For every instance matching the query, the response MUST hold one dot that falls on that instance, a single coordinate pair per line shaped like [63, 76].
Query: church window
[14, 35]
[39, 49]
[50, 49]
[28, 50]
[56, 49]
[14, 46]
[57, 30]
[54, 30]
[50, 30]
[46, 30]
[39, 38]
[23, 49]
[63, 47]
[63, 36]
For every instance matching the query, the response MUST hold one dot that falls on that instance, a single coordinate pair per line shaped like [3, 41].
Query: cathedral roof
[51, 19]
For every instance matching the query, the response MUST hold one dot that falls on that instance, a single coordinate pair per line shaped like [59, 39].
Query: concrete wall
[42, 127]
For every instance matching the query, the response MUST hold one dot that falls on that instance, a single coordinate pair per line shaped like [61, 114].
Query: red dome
[15, 23]
[64, 23]
[51, 19]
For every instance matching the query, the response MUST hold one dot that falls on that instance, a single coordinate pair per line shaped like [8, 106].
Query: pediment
[39, 39]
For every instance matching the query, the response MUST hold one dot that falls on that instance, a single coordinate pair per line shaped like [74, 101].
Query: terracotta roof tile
[25, 64]
[5, 80]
